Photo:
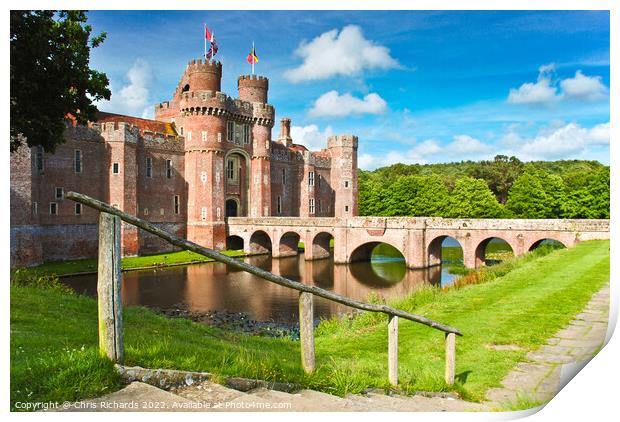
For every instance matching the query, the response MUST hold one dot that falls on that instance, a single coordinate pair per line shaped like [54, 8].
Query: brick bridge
[417, 238]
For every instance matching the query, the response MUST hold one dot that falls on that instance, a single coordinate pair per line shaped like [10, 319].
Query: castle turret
[285, 132]
[253, 88]
[202, 76]
[343, 150]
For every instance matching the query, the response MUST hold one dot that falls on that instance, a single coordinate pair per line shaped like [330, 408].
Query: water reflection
[215, 286]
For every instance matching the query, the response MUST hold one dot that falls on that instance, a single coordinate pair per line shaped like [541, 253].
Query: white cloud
[541, 92]
[133, 97]
[582, 87]
[568, 141]
[333, 104]
[544, 91]
[344, 53]
[464, 145]
[311, 137]
[365, 161]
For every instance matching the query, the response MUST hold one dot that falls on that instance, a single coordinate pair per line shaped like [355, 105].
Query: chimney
[285, 132]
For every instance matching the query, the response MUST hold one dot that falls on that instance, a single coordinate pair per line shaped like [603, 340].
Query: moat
[202, 288]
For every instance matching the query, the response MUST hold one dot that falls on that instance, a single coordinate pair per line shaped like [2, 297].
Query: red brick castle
[204, 158]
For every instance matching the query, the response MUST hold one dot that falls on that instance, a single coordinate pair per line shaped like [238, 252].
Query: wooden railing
[110, 306]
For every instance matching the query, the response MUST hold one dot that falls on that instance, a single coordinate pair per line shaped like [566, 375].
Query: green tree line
[501, 188]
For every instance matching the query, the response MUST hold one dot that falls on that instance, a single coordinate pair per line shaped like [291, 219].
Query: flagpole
[204, 34]
[253, 60]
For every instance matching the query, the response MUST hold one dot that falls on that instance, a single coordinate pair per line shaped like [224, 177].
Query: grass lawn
[54, 335]
[128, 263]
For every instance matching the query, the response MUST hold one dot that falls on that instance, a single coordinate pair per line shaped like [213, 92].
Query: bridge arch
[435, 249]
[234, 243]
[364, 251]
[320, 247]
[289, 244]
[558, 243]
[480, 251]
[260, 243]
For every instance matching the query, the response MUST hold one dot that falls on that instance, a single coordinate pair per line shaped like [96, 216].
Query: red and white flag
[212, 44]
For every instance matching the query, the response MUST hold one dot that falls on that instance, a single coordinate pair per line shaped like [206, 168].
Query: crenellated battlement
[202, 65]
[342, 141]
[253, 80]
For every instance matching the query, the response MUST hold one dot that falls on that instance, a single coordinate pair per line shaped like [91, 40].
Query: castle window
[219, 136]
[204, 136]
[232, 173]
[346, 183]
[311, 178]
[230, 131]
[77, 161]
[284, 176]
[39, 158]
[60, 193]
[149, 167]
[177, 204]
[279, 205]
[311, 206]
[203, 213]
[189, 136]
[35, 208]
[115, 168]
[146, 211]
[185, 88]
[161, 211]
[181, 130]
[53, 208]
[78, 208]
[246, 134]
[346, 208]
[169, 169]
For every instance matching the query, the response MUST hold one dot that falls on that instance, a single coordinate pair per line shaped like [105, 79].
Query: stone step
[215, 395]
[136, 397]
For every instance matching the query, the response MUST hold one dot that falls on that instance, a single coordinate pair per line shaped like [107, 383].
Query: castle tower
[254, 89]
[201, 120]
[343, 149]
[121, 146]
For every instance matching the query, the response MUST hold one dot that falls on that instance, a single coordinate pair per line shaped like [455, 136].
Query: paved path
[549, 368]
[554, 364]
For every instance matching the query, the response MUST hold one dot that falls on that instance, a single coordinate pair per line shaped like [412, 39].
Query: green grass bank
[129, 263]
[522, 301]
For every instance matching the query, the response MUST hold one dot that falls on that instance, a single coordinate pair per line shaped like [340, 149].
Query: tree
[527, 198]
[50, 75]
[432, 198]
[472, 198]
[499, 174]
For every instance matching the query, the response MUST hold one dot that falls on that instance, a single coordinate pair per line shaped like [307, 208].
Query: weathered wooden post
[450, 357]
[306, 331]
[393, 350]
[110, 306]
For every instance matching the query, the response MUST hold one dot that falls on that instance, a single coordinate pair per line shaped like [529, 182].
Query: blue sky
[414, 86]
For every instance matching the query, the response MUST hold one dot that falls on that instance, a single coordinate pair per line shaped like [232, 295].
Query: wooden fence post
[450, 357]
[306, 331]
[393, 350]
[110, 307]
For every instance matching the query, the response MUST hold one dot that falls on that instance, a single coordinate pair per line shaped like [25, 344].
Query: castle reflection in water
[214, 286]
